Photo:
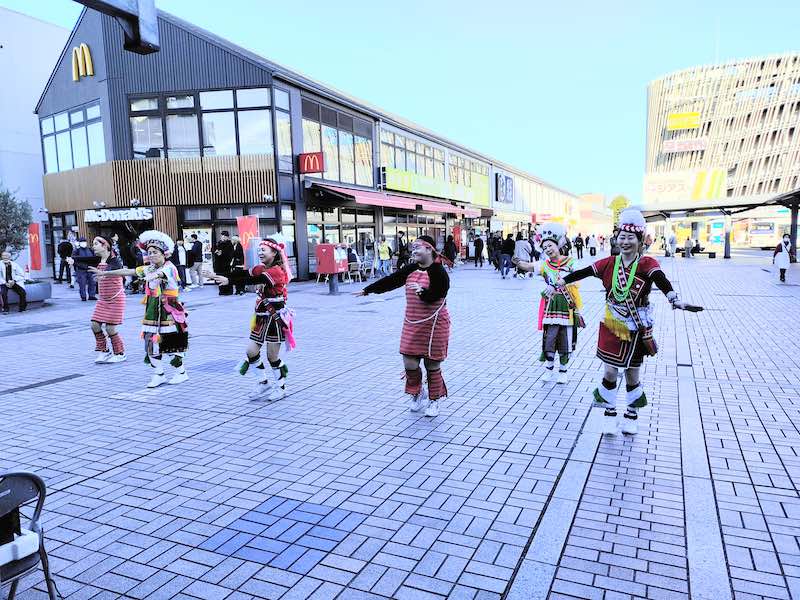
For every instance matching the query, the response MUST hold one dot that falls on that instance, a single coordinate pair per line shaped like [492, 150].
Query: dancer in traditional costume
[426, 329]
[626, 334]
[110, 308]
[559, 307]
[272, 322]
[164, 326]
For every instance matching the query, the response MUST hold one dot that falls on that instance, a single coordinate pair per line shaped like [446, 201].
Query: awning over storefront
[375, 198]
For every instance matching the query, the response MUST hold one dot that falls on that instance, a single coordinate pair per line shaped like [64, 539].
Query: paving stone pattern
[338, 491]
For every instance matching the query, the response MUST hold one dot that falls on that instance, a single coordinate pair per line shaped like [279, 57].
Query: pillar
[728, 227]
[793, 227]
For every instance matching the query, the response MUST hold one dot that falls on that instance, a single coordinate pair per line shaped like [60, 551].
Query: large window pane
[62, 121]
[93, 112]
[229, 212]
[64, 151]
[387, 155]
[219, 134]
[184, 101]
[263, 211]
[76, 117]
[330, 148]
[346, 157]
[411, 162]
[214, 100]
[148, 137]
[182, 138]
[284, 140]
[400, 159]
[47, 125]
[255, 132]
[281, 98]
[144, 104]
[97, 145]
[311, 136]
[50, 160]
[363, 161]
[255, 97]
[80, 151]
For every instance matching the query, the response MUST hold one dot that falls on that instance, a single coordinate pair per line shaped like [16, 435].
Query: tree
[617, 205]
[15, 216]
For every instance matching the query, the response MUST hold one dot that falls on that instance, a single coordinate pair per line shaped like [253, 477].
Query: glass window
[255, 132]
[214, 100]
[148, 137]
[345, 122]
[330, 148]
[184, 101]
[411, 144]
[47, 125]
[182, 137]
[143, 104]
[362, 128]
[348, 215]
[313, 215]
[438, 170]
[363, 161]
[219, 134]
[265, 211]
[311, 136]
[266, 230]
[197, 214]
[251, 98]
[331, 234]
[64, 151]
[93, 112]
[346, 157]
[281, 98]
[62, 122]
[400, 159]
[76, 117]
[387, 136]
[50, 156]
[387, 155]
[80, 152]
[310, 110]
[428, 167]
[229, 212]
[411, 162]
[287, 212]
[284, 141]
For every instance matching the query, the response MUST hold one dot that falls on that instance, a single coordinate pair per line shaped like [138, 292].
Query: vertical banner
[249, 235]
[457, 239]
[35, 246]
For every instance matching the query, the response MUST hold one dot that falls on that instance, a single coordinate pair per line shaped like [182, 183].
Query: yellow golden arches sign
[82, 65]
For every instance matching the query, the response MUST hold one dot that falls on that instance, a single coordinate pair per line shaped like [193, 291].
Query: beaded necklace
[620, 295]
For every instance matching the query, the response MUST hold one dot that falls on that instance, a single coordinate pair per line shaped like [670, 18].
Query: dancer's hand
[71, 261]
[220, 279]
[561, 282]
[415, 287]
[549, 290]
[97, 272]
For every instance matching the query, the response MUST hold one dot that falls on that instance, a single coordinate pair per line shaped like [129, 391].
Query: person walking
[65, 250]
[110, 307]
[494, 251]
[384, 257]
[402, 250]
[426, 327]
[687, 248]
[784, 255]
[180, 258]
[592, 244]
[479, 250]
[194, 261]
[450, 251]
[14, 280]
[673, 244]
[223, 256]
[579, 246]
[82, 258]
[506, 252]
[237, 266]
[522, 252]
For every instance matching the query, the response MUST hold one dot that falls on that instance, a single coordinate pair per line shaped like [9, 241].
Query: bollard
[333, 284]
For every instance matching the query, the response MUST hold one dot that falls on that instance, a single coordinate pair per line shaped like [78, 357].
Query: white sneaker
[117, 358]
[562, 377]
[179, 378]
[102, 357]
[610, 422]
[629, 426]
[277, 393]
[416, 403]
[548, 375]
[260, 390]
[156, 380]
[433, 409]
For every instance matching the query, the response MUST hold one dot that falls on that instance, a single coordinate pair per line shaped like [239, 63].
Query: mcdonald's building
[233, 134]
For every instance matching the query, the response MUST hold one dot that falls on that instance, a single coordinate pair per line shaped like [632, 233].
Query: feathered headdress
[555, 232]
[157, 239]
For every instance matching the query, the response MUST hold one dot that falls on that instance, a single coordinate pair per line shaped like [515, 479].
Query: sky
[557, 88]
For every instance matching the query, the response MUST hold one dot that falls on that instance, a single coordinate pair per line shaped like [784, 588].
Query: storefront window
[197, 214]
[216, 100]
[182, 101]
[346, 157]
[68, 137]
[64, 151]
[140, 104]
[281, 99]
[348, 215]
[148, 138]
[252, 98]
[182, 136]
[50, 157]
[255, 132]
[229, 212]
[311, 136]
[287, 213]
[265, 212]
[314, 239]
[80, 151]
[219, 134]
[330, 147]
[97, 145]
[266, 230]
[284, 132]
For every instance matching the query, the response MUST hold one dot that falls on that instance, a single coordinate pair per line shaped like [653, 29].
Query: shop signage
[122, 214]
[505, 188]
[680, 186]
[683, 120]
[82, 65]
[693, 145]
[311, 162]
[414, 183]
[34, 246]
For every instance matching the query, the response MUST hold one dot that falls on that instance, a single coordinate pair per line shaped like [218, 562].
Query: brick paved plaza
[337, 491]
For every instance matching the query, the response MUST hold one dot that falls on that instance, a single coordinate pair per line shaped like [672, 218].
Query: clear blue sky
[555, 88]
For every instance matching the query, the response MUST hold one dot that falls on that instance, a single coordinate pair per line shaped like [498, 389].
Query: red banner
[250, 238]
[35, 246]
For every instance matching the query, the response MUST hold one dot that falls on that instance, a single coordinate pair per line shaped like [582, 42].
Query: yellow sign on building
[82, 65]
[683, 120]
[682, 186]
[406, 181]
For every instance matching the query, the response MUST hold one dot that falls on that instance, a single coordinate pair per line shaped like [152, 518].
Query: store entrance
[127, 233]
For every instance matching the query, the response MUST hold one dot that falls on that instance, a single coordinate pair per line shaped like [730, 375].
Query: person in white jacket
[12, 277]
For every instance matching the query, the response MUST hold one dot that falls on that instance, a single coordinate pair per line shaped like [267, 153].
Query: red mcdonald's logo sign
[34, 246]
[311, 162]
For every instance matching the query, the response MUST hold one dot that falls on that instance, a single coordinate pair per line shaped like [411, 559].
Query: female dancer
[784, 255]
[164, 326]
[110, 307]
[559, 316]
[426, 329]
[273, 322]
[626, 334]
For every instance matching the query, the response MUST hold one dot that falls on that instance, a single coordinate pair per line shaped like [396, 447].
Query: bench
[709, 253]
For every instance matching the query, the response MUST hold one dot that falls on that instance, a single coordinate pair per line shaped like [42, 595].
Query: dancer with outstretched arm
[626, 333]
[426, 328]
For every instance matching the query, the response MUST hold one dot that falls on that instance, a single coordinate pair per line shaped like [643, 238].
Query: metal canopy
[720, 207]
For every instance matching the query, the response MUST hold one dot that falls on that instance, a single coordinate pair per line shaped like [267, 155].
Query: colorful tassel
[617, 327]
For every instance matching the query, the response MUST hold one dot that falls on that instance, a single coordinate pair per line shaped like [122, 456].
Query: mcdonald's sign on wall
[312, 162]
[82, 65]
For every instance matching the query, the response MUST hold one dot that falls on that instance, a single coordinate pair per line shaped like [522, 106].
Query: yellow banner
[683, 120]
[414, 183]
[679, 186]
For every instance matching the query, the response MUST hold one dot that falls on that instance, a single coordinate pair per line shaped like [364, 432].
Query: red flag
[34, 246]
[250, 238]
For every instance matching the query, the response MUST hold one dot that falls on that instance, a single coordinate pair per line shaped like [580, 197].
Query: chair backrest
[19, 488]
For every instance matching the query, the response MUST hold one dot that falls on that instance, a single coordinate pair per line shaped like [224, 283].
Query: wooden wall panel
[165, 218]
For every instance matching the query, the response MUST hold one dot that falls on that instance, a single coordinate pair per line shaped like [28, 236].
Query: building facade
[26, 68]
[725, 135]
[202, 132]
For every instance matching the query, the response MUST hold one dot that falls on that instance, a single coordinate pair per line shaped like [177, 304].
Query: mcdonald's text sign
[82, 65]
[311, 162]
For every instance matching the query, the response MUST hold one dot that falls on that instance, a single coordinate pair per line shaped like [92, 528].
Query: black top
[85, 258]
[238, 256]
[196, 253]
[8, 273]
[579, 242]
[478, 244]
[222, 261]
[508, 246]
[65, 249]
[450, 250]
[437, 289]
[658, 278]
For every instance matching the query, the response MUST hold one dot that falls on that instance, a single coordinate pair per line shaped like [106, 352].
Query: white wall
[29, 49]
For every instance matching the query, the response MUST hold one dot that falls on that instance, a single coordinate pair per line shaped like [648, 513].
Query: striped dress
[110, 307]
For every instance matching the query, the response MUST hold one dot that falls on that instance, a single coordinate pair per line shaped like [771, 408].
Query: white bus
[766, 234]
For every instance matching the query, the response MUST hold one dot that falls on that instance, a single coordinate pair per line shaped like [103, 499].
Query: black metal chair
[21, 549]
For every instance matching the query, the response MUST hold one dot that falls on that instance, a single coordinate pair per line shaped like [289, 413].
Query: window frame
[82, 124]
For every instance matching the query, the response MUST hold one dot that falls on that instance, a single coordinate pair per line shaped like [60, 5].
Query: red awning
[372, 198]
